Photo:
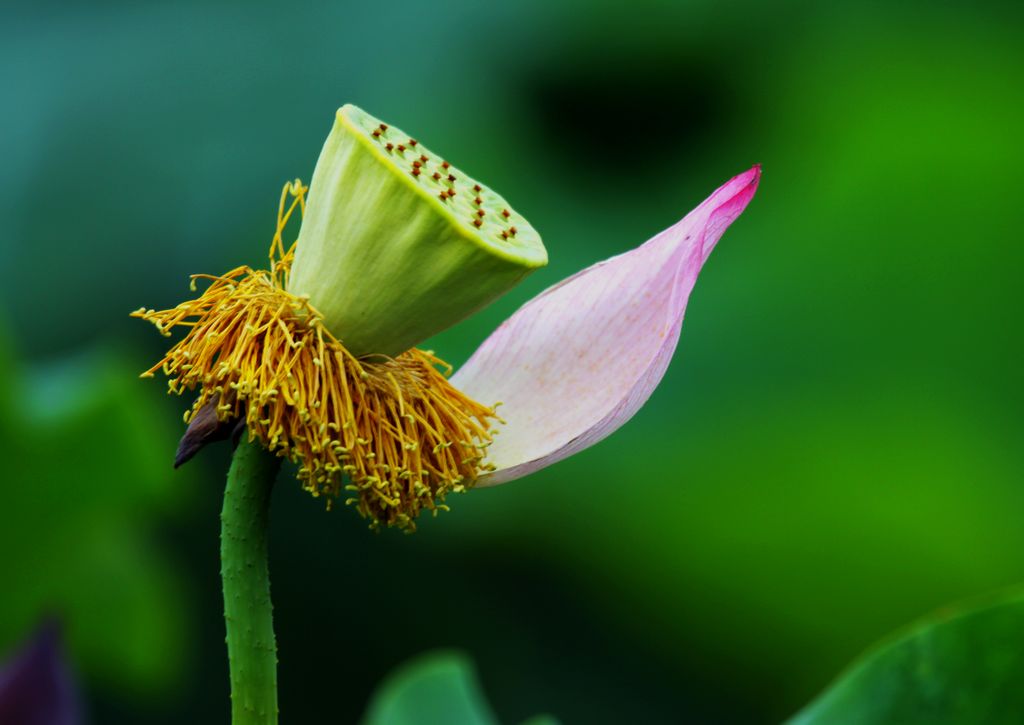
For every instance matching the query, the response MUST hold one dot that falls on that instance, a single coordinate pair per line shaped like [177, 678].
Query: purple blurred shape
[36, 687]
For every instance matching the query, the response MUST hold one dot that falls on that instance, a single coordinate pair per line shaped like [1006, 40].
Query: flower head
[392, 431]
[316, 355]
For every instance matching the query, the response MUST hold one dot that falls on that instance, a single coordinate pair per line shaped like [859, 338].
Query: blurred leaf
[88, 482]
[439, 687]
[964, 666]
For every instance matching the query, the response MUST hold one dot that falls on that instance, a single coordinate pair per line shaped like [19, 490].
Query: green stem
[248, 613]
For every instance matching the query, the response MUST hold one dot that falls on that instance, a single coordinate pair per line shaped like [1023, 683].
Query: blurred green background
[835, 450]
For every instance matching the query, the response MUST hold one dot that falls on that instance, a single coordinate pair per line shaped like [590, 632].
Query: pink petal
[576, 362]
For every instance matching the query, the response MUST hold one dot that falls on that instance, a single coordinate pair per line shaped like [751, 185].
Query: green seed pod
[396, 244]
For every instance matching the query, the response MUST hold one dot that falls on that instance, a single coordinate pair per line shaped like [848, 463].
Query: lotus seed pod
[397, 244]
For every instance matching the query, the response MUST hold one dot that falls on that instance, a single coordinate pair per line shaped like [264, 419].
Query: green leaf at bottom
[964, 665]
[440, 687]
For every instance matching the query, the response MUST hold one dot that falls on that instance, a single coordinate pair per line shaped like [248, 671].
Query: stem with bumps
[248, 613]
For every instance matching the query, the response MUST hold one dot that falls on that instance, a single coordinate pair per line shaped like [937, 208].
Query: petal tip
[727, 203]
[735, 194]
[748, 181]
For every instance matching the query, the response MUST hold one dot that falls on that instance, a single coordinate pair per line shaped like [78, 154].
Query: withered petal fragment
[205, 428]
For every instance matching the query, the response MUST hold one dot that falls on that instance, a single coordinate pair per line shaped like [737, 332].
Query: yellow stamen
[394, 429]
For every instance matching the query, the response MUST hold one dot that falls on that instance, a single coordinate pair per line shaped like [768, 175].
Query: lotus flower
[317, 357]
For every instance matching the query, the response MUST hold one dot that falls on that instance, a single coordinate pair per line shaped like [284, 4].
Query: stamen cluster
[393, 432]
